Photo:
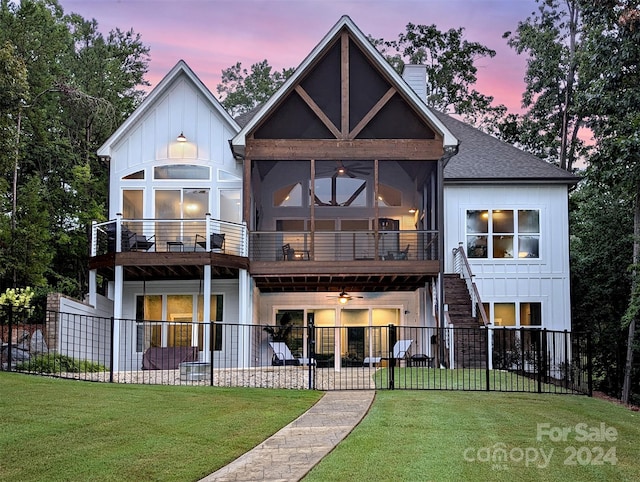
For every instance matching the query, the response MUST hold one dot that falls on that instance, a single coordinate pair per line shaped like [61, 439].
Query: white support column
[337, 357]
[93, 287]
[207, 233]
[118, 232]
[245, 314]
[94, 238]
[117, 314]
[92, 272]
[206, 313]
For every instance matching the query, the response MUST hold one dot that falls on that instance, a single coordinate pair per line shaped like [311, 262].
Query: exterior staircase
[469, 340]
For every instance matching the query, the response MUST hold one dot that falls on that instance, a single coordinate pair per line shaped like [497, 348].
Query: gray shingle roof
[243, 119]
[482, 157]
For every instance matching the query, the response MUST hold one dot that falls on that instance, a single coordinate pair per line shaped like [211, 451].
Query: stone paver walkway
[293, 451]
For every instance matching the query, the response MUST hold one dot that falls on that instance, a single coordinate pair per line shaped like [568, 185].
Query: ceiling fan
[343, 297]
[351, 169]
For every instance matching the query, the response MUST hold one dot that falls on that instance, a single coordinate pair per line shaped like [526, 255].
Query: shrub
[56, 363]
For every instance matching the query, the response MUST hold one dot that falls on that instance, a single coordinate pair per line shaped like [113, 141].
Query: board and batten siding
[151, 141]
[516, 280]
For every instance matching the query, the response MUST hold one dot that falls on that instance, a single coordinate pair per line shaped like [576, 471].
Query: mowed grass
[67, 430]
[456, 436]
[53, 429]
[464, 379]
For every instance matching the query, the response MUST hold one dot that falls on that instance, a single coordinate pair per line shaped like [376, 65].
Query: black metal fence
[310, 357]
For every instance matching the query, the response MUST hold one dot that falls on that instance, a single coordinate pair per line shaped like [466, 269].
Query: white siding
[151, 141]
[544, 280]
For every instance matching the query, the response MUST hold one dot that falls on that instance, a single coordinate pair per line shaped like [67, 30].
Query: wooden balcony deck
[363, 261]
[360, 275]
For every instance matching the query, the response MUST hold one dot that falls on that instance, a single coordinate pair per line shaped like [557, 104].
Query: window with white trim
[503, 233]
[530, 315]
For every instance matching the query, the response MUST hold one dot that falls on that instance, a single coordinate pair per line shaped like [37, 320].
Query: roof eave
[181, 67]
[512, 180]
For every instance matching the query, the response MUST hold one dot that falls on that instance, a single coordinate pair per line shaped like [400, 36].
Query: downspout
[449, 152]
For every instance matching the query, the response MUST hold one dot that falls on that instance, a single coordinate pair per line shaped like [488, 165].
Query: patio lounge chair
[398, 255]
[282, 355]
[139, 242]
[401, 349]
[216, 241]
[289, 254]
[126, 238]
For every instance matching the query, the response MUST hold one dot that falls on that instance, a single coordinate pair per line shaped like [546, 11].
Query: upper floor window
[340, 191]
[225, 176]
[389, 196]
[503, 233]
[181, 171]
[290, 195]
[134, 175]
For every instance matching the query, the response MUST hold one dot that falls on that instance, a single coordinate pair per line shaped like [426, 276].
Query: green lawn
[53, 429]
[464, 379]
[453, 436]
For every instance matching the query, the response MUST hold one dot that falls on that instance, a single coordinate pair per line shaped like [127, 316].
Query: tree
[601, 226]
[95, 104]
[79, 85]
[241, 91]
[612, 92]
[551, 38]
[451, 71]
[13, 88]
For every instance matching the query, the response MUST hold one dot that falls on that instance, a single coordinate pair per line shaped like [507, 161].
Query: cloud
[213, 35]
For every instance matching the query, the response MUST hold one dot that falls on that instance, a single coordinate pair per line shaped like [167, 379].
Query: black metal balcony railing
[343, 245]
[169, 235]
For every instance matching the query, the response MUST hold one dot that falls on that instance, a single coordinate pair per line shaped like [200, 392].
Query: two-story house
[340, 201]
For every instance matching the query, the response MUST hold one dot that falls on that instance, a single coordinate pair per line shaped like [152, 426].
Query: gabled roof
[482, 157]
[181, 68]
[346, 23]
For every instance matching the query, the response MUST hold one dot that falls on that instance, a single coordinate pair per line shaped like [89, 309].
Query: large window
[290, 195]
[181, 171]
[340, 191]
[179, 327]
[132, 208]
[295, 339]
[516, 348]
[216, 316]
[174, 204]
[530, 315]
[503, 233]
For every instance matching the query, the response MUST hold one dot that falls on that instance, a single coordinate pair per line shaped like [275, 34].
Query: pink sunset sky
[211, 35]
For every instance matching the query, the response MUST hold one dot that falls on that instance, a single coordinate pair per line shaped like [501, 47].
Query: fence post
[589, 365]
[522, 354]
[10, 345]
[539, 360]
[112, 349]
[392, 360]
[487, 355]
[546, 365]
[567, 367]
[311, 352]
